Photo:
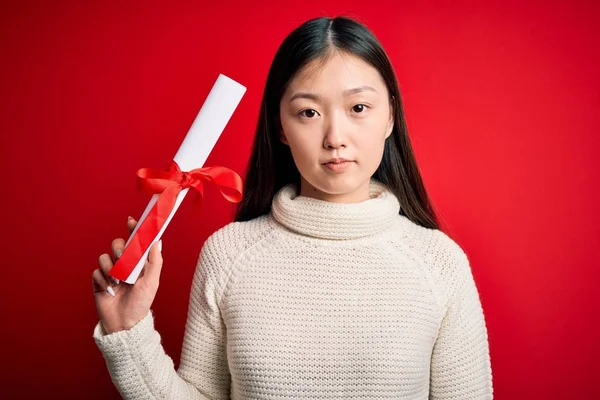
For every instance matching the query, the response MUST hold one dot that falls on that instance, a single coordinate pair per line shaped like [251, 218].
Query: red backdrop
[502, 106]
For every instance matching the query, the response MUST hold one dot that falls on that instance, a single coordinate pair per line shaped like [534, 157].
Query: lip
[336, 160]
[338, 166]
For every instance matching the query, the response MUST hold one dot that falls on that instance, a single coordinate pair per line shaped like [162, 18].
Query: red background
[502, 105]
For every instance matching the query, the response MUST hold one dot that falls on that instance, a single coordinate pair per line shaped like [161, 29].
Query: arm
[460, 363]
[139, 366]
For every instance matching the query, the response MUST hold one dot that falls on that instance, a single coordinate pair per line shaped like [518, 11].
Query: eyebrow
[316, 97]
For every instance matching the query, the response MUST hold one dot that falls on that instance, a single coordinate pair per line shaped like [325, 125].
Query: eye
[360, 108]
[309, 113]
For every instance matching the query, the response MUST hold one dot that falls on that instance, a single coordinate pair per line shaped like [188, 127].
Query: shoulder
[430, 245]
[237, 236]
[441, 257]
[223, 247]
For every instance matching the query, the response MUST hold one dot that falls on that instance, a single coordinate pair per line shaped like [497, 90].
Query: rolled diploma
[206, 129]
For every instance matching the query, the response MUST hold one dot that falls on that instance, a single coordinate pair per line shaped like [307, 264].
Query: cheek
[371, 148]
[304, 152]
[303, 148]
[300, 139]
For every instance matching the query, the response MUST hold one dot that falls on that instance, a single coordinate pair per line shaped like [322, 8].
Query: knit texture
[318, 300]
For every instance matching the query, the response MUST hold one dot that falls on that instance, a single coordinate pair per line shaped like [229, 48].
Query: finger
[155, 262]
[117, 246]
[106, 264]
[98, 281]
[100, 284]
[131, 223]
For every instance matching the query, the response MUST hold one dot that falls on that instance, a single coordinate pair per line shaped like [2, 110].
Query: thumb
[155, 261]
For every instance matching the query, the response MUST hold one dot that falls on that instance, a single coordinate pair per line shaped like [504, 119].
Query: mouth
[337, 161]
[338, 166]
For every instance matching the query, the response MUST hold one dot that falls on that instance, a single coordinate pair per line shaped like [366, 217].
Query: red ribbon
[169, 184]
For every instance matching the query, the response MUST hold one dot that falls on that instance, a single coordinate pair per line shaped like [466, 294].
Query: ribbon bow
[169, 184]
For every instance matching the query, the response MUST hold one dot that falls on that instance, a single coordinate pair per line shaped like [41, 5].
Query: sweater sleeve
[460, 364]
[138, 364]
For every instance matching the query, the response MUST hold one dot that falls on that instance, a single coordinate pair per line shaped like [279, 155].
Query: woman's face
[339, 110]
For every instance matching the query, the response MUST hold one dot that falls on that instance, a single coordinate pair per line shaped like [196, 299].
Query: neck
[316, 218]
[356, 196]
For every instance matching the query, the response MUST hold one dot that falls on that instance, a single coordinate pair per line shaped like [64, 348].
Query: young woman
[334, 280]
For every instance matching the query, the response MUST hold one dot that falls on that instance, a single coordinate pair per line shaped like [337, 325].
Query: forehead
[335, 74]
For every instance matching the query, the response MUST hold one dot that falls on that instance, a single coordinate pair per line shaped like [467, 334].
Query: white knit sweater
[318, 300]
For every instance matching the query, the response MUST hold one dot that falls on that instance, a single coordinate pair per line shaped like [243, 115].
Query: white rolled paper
[206, 129]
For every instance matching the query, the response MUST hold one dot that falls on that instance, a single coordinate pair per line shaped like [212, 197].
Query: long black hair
[271, 165]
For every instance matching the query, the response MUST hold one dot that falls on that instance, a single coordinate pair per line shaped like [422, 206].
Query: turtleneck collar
[328, 220]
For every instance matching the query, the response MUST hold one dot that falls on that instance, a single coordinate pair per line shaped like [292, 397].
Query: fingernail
[130, 217]
[160, 245]
[110, 290]
[115, 281]
[118, 253]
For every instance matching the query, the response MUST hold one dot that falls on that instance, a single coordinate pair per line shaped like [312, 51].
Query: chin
[337, 184]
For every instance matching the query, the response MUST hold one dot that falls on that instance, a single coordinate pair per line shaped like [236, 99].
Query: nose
[334, 132]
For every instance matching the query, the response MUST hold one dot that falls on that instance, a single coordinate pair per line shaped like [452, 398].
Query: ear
[390, 126]
[281, 135]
